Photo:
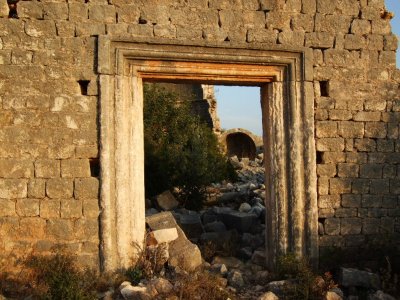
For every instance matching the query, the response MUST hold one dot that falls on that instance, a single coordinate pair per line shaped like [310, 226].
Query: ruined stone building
[71, 101]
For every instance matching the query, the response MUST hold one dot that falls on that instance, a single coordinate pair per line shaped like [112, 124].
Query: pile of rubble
[230, 232]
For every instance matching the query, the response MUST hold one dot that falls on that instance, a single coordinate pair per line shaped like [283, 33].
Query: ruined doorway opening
[241, 145]
[286, 84]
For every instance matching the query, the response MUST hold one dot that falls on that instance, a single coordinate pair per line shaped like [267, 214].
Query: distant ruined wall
[49, 108]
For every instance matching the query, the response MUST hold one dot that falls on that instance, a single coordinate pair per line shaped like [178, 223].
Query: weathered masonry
[71, 101]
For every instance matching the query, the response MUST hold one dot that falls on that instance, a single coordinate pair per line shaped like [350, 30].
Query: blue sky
[240, 106]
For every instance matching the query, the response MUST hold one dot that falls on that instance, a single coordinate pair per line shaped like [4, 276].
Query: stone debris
[268, 296]
[380, 295]
[352, 277]
[167, 201]
[182, 253]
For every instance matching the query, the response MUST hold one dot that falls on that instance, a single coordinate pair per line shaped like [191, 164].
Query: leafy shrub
[180, 150]
[58, 277]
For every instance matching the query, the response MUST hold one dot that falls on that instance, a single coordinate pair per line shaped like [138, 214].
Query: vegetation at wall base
[180, 150]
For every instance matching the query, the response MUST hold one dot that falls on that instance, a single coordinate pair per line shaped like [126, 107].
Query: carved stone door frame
[287, 102]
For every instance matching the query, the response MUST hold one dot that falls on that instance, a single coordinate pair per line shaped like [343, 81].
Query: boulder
[259, 258]
[191, 224]
[229, 197]
[279, 287]
[330, 295]
[167, 201]
[380, 295]
[161, 285]
[220, 269]
[235, 279]
[244, 207]
[352, 277]
[130, 292]
[215, 226]
[166, 235]
[182, 253]
[230, 262]
[240, 221]
[268, 296]
[245, 253]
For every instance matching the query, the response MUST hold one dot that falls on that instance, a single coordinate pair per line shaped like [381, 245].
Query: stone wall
[49, 108]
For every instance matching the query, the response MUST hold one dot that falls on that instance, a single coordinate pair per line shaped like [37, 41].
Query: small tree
[180, 150]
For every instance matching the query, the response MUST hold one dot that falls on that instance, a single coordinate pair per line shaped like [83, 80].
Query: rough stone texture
[49, 127]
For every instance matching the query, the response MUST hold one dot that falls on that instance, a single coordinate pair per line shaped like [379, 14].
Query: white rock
[332, 296]
[130, 292]
[268, 296]
[244, 207]
[166, 235]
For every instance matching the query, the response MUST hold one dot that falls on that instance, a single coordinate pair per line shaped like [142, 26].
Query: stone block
[167, 201]
[370, 13]
[47, 168]
[379, 186]
[332, 226]
[375, 42]
[329, 201]
[371, 171]
[86, 229]
[360, 26]
[360, 186]
[91, 208]
[30, 10]
[350, 226]
[348, 129]
[277, 20]
[7, 208]
[351, 200]
[348, 170]
[389, 201]
[390, 42]
[326, 129]
[71, 208]
[352, 277]
[323, 186]
[293, 38]
[330, 144]
[60, 229]
[78, 12]
[55, 11]
[367, 145]
[27, 207]
[128, 14]
[36, 188]
[267, 36]
[16, 168]
[371, 226]
[339, 186]
[377, 212]
[72, 168]
[332, 23]
[31, 228]
[326, 212]
[319, 40]
[326, 170]
[65, 29]
[59, 188]
[345, 212]
[13, 188]
[333, 157]
[380, 26]
[371, 201]
[355, 42]
[387, 225]
[182, 252]
[141, 30]
[89, 29]
[340, 115]
[357, 158]
[389, 171]
[242, 222]
[86, 188]
[40, 28]
[165, 31]
[102, 13]
[375, 130]
[50, 208]
[303, 22]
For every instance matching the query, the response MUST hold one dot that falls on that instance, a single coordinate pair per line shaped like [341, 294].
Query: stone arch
[240, 142]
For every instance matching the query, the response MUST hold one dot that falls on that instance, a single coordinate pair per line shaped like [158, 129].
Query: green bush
[180, 150]
[58, 277]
